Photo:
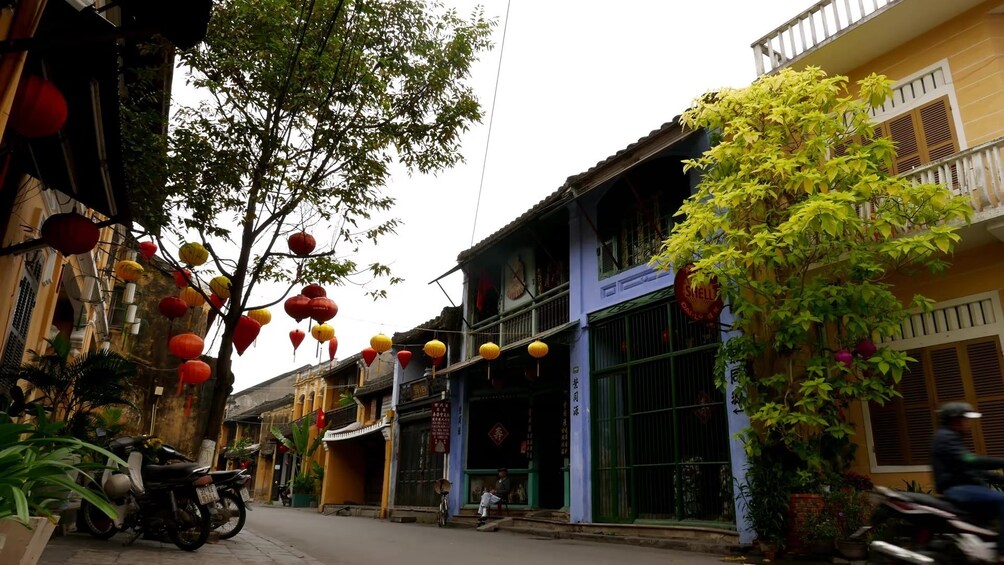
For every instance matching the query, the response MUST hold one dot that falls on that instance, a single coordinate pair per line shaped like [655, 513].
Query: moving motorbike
[153, 500]
[919, 528]
[229, 513]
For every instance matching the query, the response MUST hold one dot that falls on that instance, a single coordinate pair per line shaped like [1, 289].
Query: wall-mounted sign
[702, 303]
[518, 275]
[439, 432]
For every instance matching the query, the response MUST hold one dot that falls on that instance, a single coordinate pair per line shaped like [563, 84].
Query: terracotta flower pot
[852, 549]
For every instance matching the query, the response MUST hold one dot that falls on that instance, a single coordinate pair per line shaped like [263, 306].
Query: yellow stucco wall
[974, 271]
[973, 43]
[344, 474]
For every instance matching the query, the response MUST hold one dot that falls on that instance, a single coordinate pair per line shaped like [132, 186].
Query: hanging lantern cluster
[312, 303]
[70, 233]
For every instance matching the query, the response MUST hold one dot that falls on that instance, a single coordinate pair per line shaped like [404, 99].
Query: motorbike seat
[174, 471]
[221, 477]
[932, 501]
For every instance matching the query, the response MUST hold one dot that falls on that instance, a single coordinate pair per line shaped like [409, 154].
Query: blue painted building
[621, 422]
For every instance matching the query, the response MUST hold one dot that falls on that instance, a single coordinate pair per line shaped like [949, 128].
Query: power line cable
[491, 120]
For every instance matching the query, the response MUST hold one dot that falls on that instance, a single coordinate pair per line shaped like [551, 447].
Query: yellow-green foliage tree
[802, 238]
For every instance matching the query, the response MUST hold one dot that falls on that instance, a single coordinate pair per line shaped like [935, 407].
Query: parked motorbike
[153, 500]
[229, 513]
[919, 528]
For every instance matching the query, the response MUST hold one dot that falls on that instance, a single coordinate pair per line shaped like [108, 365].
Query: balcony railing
[810, 29]
[547, 311]
[976, 173]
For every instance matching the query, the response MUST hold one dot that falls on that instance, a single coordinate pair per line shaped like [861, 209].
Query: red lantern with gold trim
[322, 309]
[297, 307]
[301, 244]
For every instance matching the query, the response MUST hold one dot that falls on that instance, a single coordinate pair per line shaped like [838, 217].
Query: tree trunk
[221, 389]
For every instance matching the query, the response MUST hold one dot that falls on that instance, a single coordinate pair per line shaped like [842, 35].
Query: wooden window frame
[933, 400]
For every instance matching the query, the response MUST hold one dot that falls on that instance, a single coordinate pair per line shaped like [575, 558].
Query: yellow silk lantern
[322, 332]
[191, 297]
[435, 349]
[537, 350]
[193, 254]
[380, 342]
[261, 315]
[490, 352]
[220, 286]
[129, 271]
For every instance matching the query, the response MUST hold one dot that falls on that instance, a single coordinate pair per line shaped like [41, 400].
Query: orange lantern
[129, 271]
[191, 297]
[192, 373]
[220, 286]
[380, 342]
[490, 352]
[435, 349]
[186, 346]
[193, 254]
[537, 350]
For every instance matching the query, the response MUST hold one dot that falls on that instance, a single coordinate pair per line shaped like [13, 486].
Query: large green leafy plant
[300, 443]
[77, 389]
[36, 466]
[798, 220]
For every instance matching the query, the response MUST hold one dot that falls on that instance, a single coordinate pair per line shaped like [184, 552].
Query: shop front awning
[509, 347]
[354, 430]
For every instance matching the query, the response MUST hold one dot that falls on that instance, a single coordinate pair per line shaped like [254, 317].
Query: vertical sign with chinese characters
[575, 396]
[439, 434]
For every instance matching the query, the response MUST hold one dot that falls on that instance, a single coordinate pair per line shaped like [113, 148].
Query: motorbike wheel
[232, 514]
[196, 533]
[96, 522]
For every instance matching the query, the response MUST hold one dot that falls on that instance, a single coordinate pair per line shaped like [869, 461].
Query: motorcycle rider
[960, 475]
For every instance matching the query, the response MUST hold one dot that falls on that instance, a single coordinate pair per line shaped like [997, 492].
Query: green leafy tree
[78, 389]
[306, 105]
[802, 238]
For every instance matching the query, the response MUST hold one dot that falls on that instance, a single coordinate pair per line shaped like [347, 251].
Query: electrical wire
[491, 120]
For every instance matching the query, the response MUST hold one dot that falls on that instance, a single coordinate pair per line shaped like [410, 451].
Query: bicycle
[442, 488]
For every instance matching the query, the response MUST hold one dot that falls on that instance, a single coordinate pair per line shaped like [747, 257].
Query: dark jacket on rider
[954, 465]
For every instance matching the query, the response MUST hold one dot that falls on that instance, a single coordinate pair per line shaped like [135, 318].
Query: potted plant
[36, 465]
[849, 505]
[304, 483]
[821, 532]
[303, 489]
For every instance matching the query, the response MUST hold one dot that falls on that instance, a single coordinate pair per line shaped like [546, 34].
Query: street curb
[290, 548]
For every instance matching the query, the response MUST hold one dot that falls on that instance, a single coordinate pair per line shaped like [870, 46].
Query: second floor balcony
[545, 311]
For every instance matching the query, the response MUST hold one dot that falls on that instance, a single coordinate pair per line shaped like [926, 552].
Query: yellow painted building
[947, 118]
[357, 446]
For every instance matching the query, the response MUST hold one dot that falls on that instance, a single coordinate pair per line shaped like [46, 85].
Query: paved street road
[336, 540]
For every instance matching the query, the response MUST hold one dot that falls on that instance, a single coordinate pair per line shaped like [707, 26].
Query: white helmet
[117, 486]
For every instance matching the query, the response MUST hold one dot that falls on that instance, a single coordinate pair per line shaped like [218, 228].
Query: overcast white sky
[579, 81]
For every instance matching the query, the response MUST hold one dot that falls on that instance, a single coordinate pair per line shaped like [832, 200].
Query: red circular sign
[702, 303]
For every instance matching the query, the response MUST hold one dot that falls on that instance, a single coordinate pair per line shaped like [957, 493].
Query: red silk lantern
[186, 346]
[216, 301]
[301, 244]
[369, 354]
[404, 357]
[296, 337]
[332, 347]
[70, 233]
[297, 307]
[246, 332]
[181, 277]
[322, 309]
[314, 290]
[147, 249]
[193, 372]
[39, 108]
[172, 307]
